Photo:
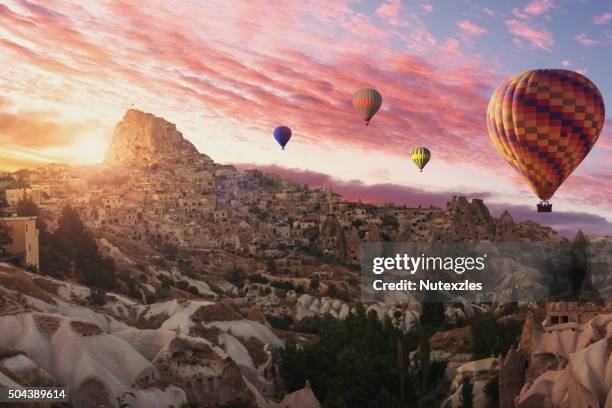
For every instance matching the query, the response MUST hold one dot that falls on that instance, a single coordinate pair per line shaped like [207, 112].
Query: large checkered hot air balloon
[544, 122]
[367, 102]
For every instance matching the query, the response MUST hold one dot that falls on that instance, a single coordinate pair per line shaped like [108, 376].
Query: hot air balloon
[282, 134]
[544, 122]
[367, 102]
[420, 157]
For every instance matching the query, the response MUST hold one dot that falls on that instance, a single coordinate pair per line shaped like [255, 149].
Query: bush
[286, 285]
[313, 324]
[258, 278]
[183, 285]
[390, 221]
[236, 276]
[31, 268]
[97, 297]
[280, 322]
[133, 286]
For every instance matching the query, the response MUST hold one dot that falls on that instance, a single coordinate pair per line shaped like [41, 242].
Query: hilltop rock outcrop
[143, 138]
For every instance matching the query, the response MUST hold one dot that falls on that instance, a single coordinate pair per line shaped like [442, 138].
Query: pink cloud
[240, 69]
[488, 11]
[427, 8]
[566, 63]
[539, 39]
[585, 40]
[231, 81]
[605, 18]
[470, 28]
[537, 7]
[519, 13]
[390, 11]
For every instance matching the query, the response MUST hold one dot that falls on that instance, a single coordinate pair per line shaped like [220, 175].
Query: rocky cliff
[563, 365]
[143, 138]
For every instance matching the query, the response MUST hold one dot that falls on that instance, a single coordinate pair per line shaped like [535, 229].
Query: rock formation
[107, 366]
[143, 138]
[510, 378]
[569, 364]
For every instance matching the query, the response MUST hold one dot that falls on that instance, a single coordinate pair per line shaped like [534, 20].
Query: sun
[88, 149]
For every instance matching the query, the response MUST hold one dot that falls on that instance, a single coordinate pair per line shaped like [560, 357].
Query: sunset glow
[228, 73]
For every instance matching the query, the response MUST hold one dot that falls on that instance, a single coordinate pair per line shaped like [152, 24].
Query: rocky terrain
[157, 355]
[218, 270]
[567, 365]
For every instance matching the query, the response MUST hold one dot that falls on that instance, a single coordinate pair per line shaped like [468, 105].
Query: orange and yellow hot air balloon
[544, 122]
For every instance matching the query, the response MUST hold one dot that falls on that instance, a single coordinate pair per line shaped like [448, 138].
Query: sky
[228, 72]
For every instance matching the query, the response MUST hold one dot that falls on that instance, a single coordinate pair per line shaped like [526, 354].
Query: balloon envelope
[282, 134]
[544, 122]
[367, 102]
[420, 157]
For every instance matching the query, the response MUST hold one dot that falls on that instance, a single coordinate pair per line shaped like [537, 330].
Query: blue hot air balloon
[282, 134]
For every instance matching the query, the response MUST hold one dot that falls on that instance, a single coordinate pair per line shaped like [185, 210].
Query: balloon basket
[544, 207]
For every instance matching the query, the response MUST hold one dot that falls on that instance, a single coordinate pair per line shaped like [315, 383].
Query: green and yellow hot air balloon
[420, 157]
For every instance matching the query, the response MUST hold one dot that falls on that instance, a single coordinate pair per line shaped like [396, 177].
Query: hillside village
[212, 260]
[155, 188]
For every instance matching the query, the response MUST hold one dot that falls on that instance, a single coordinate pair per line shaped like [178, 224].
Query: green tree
[27, 208]
[314, 283]
[424, 360]
[491, 390]
[5, 237]
[71, 250]
[385, 399]
[490, 337]
[356, 363]
[467, 392]
[433, 314]
[390, 221]
[236, 275]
